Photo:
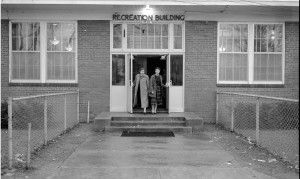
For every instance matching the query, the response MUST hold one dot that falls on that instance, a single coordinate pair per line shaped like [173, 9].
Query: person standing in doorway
[156, 85]
[141, 89]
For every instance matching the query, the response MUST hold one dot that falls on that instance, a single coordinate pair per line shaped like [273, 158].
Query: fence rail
[271, 122]
[48, 116]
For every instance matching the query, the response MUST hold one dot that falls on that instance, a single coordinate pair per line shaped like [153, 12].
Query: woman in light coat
[141, 88]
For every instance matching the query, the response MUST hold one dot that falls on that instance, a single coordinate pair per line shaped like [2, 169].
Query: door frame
[127, 77]
[168, 66]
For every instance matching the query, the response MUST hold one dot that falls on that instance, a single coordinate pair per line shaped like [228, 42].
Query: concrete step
[147, 123]
[148, 118]
[149, 129]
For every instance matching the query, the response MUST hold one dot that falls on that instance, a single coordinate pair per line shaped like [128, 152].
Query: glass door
[176, 83]
[169, 83]
[129, 82]
[118, 83]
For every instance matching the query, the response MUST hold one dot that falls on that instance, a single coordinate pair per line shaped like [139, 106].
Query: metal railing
[270, 122]
[34, 121]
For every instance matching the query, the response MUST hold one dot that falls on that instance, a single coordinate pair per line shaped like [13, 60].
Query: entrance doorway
[124, 68]
[149, 63]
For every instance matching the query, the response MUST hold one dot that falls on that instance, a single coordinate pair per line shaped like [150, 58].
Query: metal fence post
[217, 107]
[45, 121]
[88, 112]
[65, 113]
[232, 115]
[257, 120]
[28, 146]
[78, 107]
[10, 133]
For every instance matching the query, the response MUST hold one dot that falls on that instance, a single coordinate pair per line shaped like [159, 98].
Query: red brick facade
[200, 68]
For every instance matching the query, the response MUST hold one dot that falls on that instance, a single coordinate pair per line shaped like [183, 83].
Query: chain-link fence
[49, 116]
[270, 122]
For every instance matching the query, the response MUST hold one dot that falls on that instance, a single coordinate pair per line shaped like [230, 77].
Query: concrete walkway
[185, 156]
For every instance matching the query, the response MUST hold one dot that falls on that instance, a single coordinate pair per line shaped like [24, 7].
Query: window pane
[118, 70]
[177, 36]
[176, 69]
[130, 36]
[269, 36]
[61, 51]
[61, 66]
[147, 36]
[117, 36]
[26, 65]
[61, 37]
[178, 30]
[268, 65]
[25, 51]
[233, 67]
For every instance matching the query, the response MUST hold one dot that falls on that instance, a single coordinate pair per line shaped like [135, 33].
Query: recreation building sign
[134, 17]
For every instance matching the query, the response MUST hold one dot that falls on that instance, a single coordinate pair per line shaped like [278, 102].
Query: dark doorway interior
[149, 63]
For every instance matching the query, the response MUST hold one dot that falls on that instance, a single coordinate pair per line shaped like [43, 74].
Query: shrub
[4, 115]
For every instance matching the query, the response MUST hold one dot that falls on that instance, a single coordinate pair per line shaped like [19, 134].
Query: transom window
[43, 52]
[250, 53]
[142, 36]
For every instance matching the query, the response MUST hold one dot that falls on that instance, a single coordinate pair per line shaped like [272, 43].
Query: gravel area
[250, 155]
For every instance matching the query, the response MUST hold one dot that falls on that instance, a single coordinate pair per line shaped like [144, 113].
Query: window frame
[132, 50]
[43, 52]
[251, 54]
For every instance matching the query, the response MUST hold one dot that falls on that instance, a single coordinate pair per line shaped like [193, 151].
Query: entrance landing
[175, 122]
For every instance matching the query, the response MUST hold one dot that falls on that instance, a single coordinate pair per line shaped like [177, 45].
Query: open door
[129, 82]
[169, 83]
[176, 82]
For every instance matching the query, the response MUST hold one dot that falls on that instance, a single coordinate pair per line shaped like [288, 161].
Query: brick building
[97, 47]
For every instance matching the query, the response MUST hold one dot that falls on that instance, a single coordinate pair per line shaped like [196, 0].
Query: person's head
[157, 70]
[142, 71]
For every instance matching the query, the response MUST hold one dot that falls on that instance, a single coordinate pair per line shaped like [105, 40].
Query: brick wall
[94, 65]
[201, 69]
[4, 57]
[93, 69]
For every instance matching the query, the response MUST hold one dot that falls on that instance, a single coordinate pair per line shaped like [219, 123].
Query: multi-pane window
[117, 35]
[233, 52]
[61, 51]
[43, 52]
[177, 36]
[25, 56]
[147, 36]
[261, 62]
[268, 52]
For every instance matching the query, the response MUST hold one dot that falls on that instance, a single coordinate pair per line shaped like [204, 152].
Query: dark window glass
[176, 70]
[118, 70]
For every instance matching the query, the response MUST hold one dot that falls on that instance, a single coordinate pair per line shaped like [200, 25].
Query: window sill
[251, 85]
[45, 84]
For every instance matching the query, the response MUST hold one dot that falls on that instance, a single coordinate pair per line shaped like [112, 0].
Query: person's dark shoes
[144, 113]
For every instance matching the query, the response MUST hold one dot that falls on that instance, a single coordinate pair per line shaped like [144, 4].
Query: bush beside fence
[273, 123]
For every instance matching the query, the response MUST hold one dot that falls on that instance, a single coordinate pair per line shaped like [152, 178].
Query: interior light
[148, 7]
[54, 41]
[69, 48]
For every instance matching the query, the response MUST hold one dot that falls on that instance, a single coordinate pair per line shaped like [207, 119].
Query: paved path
[185, 156]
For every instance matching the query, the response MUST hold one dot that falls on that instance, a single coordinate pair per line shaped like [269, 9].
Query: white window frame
[132, 50]
[43, 53]
[251, 54]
